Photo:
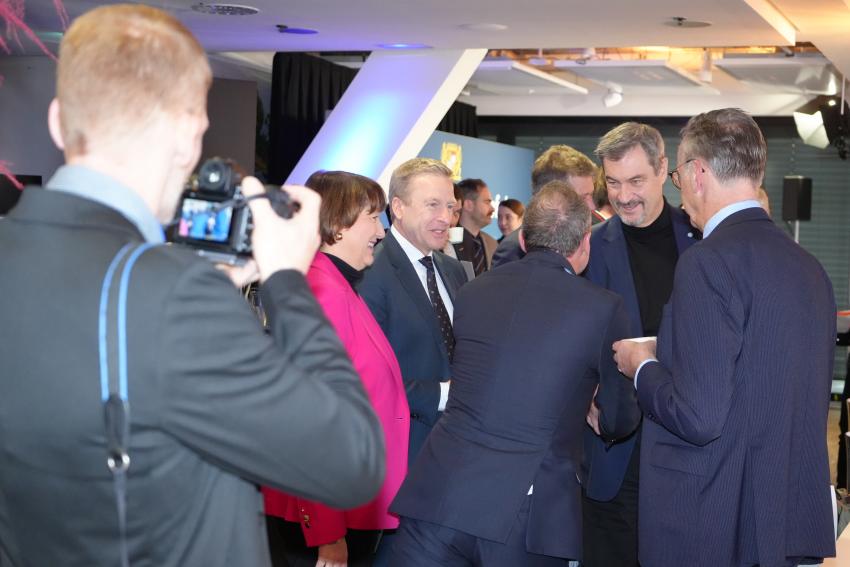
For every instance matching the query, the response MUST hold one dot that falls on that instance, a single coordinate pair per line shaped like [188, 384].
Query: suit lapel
[622, 280]
[412, 285]
[441, 262]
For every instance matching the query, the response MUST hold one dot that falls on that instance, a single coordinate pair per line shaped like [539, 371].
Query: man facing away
[734, 466]
[558, 163]
[214, 406]
[498, 480]
[632, 254]
[476, 213]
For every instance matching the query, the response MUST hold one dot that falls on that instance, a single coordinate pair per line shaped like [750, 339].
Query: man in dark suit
[558, 163]
[632, 254]
[734, 467]
[215, 406]
[411, 288]
[498, 480]
[477, 247]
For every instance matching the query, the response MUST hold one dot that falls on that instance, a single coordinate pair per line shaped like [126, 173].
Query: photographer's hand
[242, 275]
[283, 244]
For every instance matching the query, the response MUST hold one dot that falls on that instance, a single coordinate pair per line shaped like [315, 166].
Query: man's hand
[630, 354]
[242, 275]
[593, 413]
[333, 554]
[283, 244]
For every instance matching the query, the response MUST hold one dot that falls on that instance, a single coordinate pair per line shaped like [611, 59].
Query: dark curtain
[460, 119]
[304, 89]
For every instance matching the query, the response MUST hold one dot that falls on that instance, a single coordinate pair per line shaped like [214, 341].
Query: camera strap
[115, 396]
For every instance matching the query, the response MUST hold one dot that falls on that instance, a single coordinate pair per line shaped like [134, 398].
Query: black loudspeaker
[796, 198]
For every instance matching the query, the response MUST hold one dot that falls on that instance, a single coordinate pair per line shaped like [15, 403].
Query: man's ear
[396, 206]
[471, 206]
[522, 240]
[663, 167]
[188, 135]
[54, 124]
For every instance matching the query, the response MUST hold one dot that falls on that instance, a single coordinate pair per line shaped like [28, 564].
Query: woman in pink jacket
[307, 533]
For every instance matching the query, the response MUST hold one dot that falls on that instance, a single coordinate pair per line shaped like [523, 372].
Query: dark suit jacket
[523, 375]
[609, 267]
[508, 250]
[216, 406]
[394, 293]
[734, 466]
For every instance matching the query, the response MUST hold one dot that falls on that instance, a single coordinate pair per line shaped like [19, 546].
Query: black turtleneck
[652, 257]
[351, 275]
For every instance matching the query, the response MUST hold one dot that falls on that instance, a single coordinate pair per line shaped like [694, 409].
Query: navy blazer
[508, 250]
[734, 466]
[610, 267]
[533, 342]
[400, 304]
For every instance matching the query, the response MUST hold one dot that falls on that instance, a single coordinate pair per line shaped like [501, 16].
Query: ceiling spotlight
[283, 28]
[614, 96]
[404, 46]
[682, 22]
[224, 9]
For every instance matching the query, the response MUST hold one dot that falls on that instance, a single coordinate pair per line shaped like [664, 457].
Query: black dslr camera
[213, 216]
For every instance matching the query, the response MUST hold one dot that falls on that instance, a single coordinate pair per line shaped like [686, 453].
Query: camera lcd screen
[200, 221]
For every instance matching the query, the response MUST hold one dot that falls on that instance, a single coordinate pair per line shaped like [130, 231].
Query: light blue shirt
[712, 223]
[94, 186]
[726, 212]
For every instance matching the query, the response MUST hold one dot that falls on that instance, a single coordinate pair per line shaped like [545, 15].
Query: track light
[614, 96]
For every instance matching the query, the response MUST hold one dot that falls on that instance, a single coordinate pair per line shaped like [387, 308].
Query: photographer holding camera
[140, 400]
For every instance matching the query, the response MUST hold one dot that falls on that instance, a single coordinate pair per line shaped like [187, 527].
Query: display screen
[200, 221]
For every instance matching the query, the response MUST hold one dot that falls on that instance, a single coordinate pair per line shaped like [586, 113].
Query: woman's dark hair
[344, 196]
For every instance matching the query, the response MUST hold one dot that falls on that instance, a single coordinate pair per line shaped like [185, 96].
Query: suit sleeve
[691, 395]
[286, 411]
[619, 411]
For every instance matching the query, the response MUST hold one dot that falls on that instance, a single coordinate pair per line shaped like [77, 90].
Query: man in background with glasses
[633, 254]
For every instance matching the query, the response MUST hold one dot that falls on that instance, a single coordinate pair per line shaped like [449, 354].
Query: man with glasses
[633, 254]
[734, 467]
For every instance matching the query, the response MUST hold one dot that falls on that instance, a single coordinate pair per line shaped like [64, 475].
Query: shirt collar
[412, 252]
[94, 186]
[726, 212]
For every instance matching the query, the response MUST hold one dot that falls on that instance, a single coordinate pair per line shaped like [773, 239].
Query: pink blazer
[378, 368]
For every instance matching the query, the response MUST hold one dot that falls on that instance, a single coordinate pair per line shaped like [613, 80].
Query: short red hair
[120, 63]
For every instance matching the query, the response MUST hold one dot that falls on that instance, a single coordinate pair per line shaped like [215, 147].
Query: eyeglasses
[674, 175]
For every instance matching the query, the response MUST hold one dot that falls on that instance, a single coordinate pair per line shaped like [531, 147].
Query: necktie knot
[428, 262]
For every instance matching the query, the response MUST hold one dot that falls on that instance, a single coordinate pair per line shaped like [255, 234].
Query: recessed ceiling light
[484, 27]
[404, 46]
[225, 9]
[683, 22]
[282, 28]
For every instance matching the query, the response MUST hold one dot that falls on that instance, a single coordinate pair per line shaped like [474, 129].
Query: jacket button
[414, 416]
